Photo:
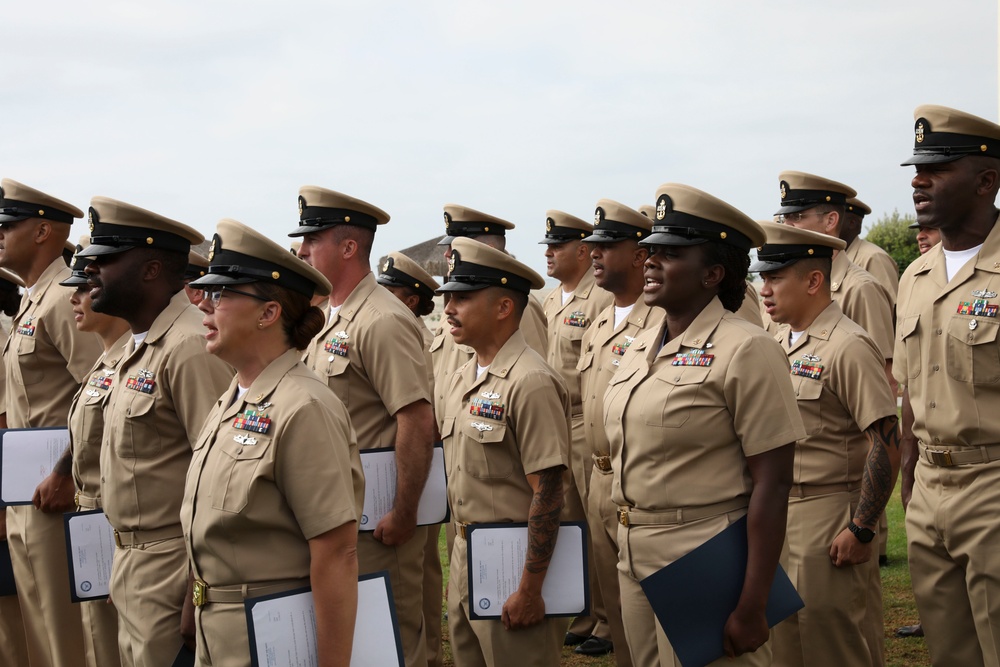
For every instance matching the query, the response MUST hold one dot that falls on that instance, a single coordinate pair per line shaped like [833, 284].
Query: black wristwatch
[864, 535]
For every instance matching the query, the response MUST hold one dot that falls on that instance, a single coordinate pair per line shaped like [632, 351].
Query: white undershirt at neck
[622, 313]
[138, 338]
[794, 336]
[954, 260]
[333, 312]
[566, 296]
[480, 370]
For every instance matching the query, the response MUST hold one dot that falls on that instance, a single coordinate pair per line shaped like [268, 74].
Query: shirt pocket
[235, 469]
[907, 330]
[140, 436]
[668, 399]
[973, 355]
[29, 372]
[485, 455]
[807, 394]
[585, 362]
[337, 376]
[447, 430]
[570, 340]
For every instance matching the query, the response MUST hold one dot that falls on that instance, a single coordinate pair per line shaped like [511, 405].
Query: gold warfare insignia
[211, 250]
[784, 190]
[920, 132]
[548, 224]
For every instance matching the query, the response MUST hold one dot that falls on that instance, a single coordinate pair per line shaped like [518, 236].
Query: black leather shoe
[883, 561]
[573, 639]
[910, 631]
[595, 646]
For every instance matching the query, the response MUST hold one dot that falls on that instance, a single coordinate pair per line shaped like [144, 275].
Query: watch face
[864, 535]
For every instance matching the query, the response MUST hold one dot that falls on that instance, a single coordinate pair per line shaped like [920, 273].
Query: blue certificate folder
[7, 586]
[694, 596]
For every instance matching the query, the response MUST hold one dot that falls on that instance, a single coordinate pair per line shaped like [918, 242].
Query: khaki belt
[202, 593]
[126, 540]
[630, 516]
[602, 462]
[86, 502]
[810, 490]
[947, 458]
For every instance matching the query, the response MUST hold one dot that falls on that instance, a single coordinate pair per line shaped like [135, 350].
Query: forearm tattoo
[64, 466]
[543, 520]
[876, 483]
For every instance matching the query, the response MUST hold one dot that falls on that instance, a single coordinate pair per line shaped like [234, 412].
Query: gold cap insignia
[41, 212]
[302, 205]
[386, 265]
[784, 190]
[920, 132]
[598, 216]
[149, 240]
[211, 248]
[452, 261]
[548, 224]
[662, 207]
[447, 221]
[275, 275]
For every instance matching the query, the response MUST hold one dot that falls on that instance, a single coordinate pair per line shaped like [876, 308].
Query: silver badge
[811, 357]
[480, 426]
[264, 406]
[245, 439]
[489, 395]
[342, 335]
[93, 392]
[973, 324]
[615, 362]
[984, 294]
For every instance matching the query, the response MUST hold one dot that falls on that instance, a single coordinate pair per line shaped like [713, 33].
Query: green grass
[897, 599]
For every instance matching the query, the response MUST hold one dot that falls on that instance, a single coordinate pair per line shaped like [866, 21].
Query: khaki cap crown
[474, 266]
[858, 207]
[614, 221]
[116, 227]
[648, 210]
[561, 227]
[240, 255]
[800, 191]
[20, 202]
[943, 134]
[464, 221]
[197, 265]
[689, 216]
[786, 245]
[401, 271]
[321, 209]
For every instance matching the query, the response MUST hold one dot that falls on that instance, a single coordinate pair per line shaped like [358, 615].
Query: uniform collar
[502, 363]
[822, 327]
[265, 384]
[179, 303]
[55, 272]
[357, 297]
[841, 265]
[699, 333]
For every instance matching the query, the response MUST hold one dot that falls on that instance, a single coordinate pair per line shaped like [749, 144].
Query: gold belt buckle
[76, 500]
[941, 458]
[118, 540]
[198, 592]
[623, 517]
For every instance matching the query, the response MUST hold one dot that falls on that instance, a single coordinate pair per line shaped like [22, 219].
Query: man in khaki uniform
[166, 385]
[866, 254]
[505, 425]
[819, 204]
[409, 283]
[840, 489]
[45, 361]
[371, 355]
[617, 260]
[947, 356]
[569, 310]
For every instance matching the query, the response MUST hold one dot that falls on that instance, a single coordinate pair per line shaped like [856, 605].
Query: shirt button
[936, 367]
[933, 404]
[937, 440]
[459, 501]
[938, 332]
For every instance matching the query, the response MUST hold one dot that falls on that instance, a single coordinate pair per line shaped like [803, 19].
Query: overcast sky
[200, 110]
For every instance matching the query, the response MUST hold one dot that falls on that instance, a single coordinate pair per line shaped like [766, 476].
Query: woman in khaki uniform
[702, 422]
[86, 429]
[275, 483]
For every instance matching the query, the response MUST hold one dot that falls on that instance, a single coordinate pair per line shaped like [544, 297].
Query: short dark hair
[735, 262]
[821, 264]
[365, 238]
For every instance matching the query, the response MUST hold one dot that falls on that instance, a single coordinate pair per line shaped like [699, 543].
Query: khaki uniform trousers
[488, 643]
[873, 625]
[641, 550]
[602, 519]
[828, 631]
[13, 650]
[405, 565]
[148, 586]
[52, 624]
[433, 597]
[100, 633]
[954, 551]
[575, 509]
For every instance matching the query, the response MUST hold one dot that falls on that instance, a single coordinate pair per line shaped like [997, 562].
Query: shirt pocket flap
[253, 447]
[337, 365]
[688, 375]
[585, 361]
[447, 427]
[484, 431]
[622, 376]
[973, 331]
[907, 326]
[808, 389]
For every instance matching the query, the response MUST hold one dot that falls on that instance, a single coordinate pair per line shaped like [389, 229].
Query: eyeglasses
[214, 296]
[791, 218]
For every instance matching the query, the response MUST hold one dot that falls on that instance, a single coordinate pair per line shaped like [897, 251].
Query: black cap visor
[458, 286]
[665, 238]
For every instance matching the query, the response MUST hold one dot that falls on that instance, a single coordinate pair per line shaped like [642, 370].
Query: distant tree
[892, 234]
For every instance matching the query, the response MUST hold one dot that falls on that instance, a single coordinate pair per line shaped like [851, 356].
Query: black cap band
[247, 269]
[695, 228]
[776, 253]
[322, 217]
[22, 210]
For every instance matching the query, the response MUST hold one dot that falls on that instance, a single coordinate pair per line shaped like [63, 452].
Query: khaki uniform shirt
[751, 308]
[682, 419]
[371, 355]
[510, 422]
[448, 356]
[946, 353]
[603, 348]
[45, 357]
[567, 323]
[863, 299]
[270, 471]
[837, 374]
[877, 262]
[86, 421]
[163, 391]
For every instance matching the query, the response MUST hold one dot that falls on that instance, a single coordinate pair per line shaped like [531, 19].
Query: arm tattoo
[64, 466]
[877, 482]
[543, 520]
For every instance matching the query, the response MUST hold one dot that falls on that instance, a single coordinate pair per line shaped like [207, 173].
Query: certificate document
[282, 627]
[380, 488]
[27, 456]
[90, 549]
[496, 555]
